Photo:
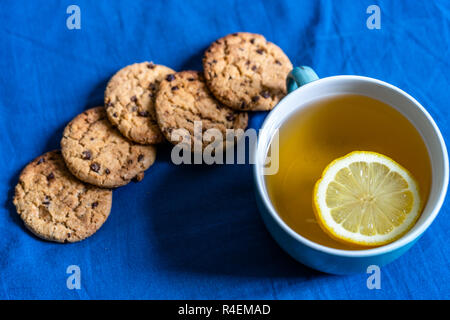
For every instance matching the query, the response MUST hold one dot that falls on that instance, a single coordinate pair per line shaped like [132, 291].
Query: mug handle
[300, 76]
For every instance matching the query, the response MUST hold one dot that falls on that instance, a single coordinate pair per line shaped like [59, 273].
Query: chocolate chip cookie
[184, 101]
[55, 205]
[129, 101]
[96, 152]
[246, 72]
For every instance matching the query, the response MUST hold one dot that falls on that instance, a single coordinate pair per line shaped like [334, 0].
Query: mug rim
[409, 237]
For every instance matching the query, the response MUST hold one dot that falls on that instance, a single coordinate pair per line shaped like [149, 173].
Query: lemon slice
[366, 198]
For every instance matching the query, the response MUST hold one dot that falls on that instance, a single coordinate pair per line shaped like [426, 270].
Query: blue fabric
[194, 231]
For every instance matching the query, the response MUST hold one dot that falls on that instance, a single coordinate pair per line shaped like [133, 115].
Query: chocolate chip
[265, 94]
[260, 51]
[254, 68]
[140, 157]
[50, 177]
[230, 117]
[41, 160]
[94, 205]
[234, 34]
[174, 88]
[255, 98]
[191, 79]
[95, 167]
[170, 77]
[278, 62]
[86, 155]
[134, 108]
[133, 98]
[243, 105]
[252, 41]
[115, 114]
[214, 61]
[247, 62]
[46, 203]
[151, 65]
[143, 113]
[107, 171]
[138, 177]
[152, 86]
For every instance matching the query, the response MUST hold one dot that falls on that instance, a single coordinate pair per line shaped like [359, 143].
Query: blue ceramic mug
[303, 87]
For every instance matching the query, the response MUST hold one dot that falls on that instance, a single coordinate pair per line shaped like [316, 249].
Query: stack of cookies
[65, 196]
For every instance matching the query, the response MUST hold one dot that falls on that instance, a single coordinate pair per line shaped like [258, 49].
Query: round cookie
[246, 72]
[129, 101]
[55, 205]
[96, 152]
[183, 99]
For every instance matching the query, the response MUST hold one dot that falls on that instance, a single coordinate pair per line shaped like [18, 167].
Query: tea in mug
[330, 128]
